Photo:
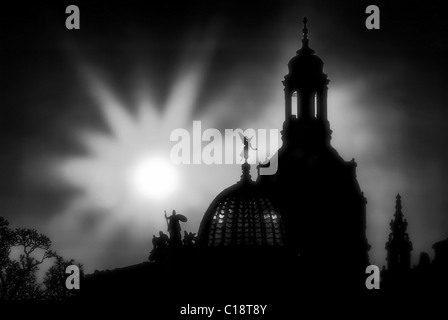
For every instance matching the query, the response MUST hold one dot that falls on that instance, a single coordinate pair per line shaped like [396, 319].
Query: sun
[124, 177]
[153, 178]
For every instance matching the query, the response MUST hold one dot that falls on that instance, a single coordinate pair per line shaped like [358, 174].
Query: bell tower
[399, 246]
[305, 88]
[316, 190]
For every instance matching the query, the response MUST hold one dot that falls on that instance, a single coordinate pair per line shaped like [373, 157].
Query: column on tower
[321, 104]
[288, 98]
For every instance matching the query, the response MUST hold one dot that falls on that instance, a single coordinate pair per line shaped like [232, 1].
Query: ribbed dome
[241, 215]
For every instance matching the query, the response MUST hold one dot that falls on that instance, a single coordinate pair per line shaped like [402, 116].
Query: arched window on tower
[315, 105]
[295, 104]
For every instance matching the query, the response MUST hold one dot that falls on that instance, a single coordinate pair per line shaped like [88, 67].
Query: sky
[82, 111]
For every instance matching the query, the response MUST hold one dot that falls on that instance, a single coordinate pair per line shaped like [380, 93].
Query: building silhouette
[441, 253]
[284, 236]
[399, 246]
[312, 212]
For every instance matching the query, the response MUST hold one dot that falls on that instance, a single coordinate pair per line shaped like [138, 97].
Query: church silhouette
[312, 212]
[301, 231]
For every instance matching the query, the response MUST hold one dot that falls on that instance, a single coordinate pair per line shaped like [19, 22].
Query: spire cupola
[305, 84]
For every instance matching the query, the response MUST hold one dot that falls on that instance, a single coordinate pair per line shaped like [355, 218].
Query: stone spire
[399, 246]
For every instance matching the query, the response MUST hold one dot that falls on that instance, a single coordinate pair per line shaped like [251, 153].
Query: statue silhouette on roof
[174, 227]
[159, 245]
[189, 238]
[247, 144]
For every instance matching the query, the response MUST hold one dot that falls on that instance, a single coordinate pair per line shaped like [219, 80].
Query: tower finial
[398, 206]
[305, 47]
[305, 30]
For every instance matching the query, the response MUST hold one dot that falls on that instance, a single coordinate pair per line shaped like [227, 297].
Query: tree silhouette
[5, 251]
[21, 274]
[55, 277]
[18, 276]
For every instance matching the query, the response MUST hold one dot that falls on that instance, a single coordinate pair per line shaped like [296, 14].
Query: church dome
[305, 63]
[242, 215]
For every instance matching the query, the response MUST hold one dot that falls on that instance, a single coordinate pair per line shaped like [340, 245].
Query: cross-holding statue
[174, 227]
